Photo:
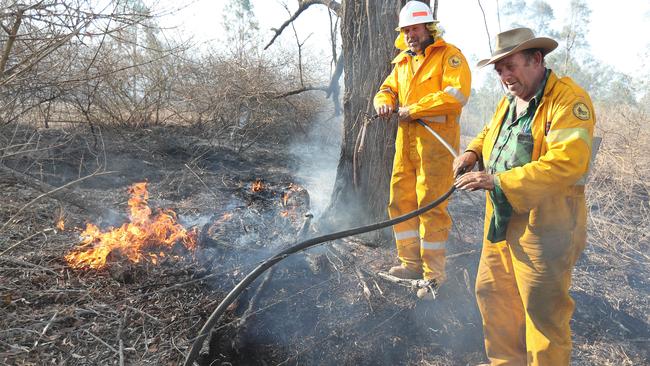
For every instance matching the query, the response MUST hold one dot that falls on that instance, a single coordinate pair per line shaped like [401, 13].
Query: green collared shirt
[513, 148]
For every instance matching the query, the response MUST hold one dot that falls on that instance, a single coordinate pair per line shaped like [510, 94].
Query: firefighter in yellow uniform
[536, 151]
[430, 81]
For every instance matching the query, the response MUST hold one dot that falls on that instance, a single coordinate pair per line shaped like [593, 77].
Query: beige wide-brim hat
[516, 40]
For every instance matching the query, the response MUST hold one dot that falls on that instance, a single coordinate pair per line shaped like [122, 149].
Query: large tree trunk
[368, 33]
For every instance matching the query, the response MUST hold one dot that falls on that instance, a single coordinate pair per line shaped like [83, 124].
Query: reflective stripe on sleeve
[460, 97]
[594, 150]
[409, 234]
[389, 91]
[568, 134]
[433, 245]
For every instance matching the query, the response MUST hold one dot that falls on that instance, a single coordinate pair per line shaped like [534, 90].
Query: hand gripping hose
[262, 267]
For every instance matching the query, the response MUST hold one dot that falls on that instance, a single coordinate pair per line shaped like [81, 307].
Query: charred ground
[326, 306]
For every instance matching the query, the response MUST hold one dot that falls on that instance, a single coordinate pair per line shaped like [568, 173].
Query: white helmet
[415, 12]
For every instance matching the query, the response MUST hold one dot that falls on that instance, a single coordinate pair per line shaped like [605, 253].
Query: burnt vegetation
[95, 100]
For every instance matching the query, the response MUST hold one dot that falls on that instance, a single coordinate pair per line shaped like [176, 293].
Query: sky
[618, 33]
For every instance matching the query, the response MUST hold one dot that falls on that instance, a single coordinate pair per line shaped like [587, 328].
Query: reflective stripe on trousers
[421, 173]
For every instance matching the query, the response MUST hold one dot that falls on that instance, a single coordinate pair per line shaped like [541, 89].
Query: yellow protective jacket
[440, 87]
[435, 93]
[548, 191]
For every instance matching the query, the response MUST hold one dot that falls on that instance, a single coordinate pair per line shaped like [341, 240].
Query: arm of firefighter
[456, 87]
[564, 163]
[387, 94]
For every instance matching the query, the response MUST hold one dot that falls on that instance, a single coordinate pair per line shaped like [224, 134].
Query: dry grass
[611, 280]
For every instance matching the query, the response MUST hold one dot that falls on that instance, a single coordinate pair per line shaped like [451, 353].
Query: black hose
[234, 293]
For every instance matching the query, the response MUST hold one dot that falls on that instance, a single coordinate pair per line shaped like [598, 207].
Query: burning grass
[146, 237]
[321, 307]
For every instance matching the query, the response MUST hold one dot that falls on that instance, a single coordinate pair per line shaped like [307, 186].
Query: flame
[60, 224]
[257, 186]
[134, 239]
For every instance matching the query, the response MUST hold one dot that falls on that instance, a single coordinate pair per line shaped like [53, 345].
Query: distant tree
[479, 111]
[541, 15]
[512, 10]
[536, 15]
[241, 25]
[573, 37]
[642, 84]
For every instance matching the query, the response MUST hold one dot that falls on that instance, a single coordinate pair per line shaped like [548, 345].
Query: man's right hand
[384, 110]
[465, 162]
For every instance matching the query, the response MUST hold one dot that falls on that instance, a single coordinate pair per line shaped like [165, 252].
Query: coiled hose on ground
[262, 267]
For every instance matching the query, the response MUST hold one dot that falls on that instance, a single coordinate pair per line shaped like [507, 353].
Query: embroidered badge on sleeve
[581, 111]
[454, 61]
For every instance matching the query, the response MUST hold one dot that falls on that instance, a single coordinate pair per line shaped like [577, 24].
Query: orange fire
[60, 224]
[257, 186]
[145, 238]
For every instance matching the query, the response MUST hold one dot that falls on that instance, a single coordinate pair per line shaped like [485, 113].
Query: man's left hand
[475, 180]
[403, 113]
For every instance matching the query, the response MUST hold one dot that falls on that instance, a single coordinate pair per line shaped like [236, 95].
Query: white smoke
[318, 155]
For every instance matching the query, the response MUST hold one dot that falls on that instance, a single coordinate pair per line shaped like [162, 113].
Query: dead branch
[24, 240]
[300, 90]
[39, 55]
[303, 5]
[366, 289]
[333, 88]
[60, 193]
[252, 304]
[10, 42]
[47, 326]
[27, 264]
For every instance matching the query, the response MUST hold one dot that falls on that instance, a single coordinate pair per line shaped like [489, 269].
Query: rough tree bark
[361, 188]
[368, 33]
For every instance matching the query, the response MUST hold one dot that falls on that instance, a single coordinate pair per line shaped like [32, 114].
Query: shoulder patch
[581, 111]
[454, 61]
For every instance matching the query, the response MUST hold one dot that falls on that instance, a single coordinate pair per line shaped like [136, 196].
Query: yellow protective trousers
[522, 290]
[421, 173]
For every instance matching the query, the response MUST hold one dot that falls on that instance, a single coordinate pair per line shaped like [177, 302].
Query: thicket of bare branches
[69, 63]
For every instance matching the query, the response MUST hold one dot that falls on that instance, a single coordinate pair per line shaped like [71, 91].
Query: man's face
[519, 74]
[416, 36]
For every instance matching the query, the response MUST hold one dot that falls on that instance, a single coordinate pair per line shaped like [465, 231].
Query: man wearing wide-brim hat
[536, 152]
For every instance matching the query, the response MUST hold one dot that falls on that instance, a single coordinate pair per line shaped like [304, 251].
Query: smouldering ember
[257, 186]
[60, 224]
[288, 193]
[145, 238]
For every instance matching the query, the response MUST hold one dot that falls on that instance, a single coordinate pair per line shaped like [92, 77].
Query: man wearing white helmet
[430, 81]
